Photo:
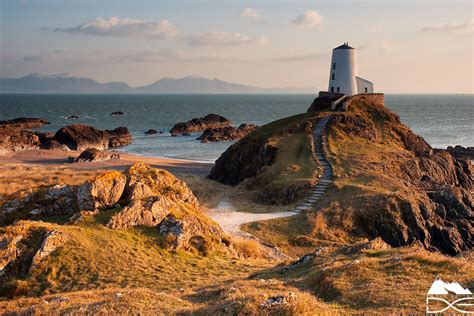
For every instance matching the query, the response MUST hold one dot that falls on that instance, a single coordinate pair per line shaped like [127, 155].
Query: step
[303, 208]
[310, 200]
[305, 204]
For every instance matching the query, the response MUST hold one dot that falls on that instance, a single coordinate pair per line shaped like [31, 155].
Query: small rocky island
[199, 124]
[216, 128]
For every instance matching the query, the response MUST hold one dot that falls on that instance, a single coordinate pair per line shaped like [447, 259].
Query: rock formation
[102, 191]
[119, 137]
[199, 124]
[226, 133]
[151, 132]
[81, 137]
[459, 151]
[94, 155]
[14, 135]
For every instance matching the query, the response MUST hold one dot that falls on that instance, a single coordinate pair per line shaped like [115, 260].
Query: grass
[292, 174]
[96, 257]
[375, 281]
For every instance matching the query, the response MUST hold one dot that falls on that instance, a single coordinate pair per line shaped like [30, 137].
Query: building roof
[344, 46]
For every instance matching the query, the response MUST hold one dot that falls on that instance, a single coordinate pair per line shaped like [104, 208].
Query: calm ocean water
[442, 120]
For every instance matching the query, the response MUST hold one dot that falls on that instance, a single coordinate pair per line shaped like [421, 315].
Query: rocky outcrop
[14, 135]
[200, 124]
[55, 200]
[226, 133]
[102, 191]
[158, 199]
[119, 137]
[94, 155]
[52, 241]
[24, 123]
[147, 212]
[81, 137]
[145, 182]
[459, 151]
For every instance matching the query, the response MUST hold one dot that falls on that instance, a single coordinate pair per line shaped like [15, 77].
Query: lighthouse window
[333, 65]
[332, 77]
[332, 89]
[366, 90]
[338, 89]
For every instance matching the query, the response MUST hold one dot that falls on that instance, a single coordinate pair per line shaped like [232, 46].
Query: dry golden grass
[16, 177]
[248, 248]
[130, 258]
[392, 280]
[116, 301]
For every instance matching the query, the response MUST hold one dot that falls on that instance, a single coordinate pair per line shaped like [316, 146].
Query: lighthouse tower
[343, 73]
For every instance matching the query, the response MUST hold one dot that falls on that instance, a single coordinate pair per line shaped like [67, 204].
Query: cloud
[460, 27]
[115, 26]
[225, 39]
[251, 14]
[309, 19]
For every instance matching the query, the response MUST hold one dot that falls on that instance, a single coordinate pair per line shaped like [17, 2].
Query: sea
[443, 120]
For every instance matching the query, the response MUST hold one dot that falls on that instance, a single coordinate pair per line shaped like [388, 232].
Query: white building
[343, 73]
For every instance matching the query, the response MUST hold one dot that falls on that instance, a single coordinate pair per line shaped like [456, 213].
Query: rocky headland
[388, 184]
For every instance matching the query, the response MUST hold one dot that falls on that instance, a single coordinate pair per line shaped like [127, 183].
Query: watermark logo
[443, 296]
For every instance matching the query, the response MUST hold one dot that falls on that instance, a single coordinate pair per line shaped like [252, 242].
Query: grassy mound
[371, 278]
[276, 162]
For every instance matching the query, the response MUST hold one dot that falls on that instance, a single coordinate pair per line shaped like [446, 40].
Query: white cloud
[225, 39]
[309, 19]
[251, 14]
[115, 26]
[463, 27]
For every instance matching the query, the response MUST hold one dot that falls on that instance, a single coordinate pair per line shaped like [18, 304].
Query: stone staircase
[319, 139]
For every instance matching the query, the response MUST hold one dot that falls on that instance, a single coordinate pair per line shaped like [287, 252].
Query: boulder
[51, 242]
[199, 124]
[119, 137]
[174, 232]
[102, 191]
[144, 182]
[147, 212]
[94, 155]
[81, 136]
[226, 133]
[72, 117]
[118, 113]
[54, 145]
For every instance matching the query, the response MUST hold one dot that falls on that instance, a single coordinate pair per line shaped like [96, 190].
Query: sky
[403, 46]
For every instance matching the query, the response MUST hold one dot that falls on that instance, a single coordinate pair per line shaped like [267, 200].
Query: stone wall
[376, 98]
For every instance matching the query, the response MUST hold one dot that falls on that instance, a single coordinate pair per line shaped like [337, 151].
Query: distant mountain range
[64, 83]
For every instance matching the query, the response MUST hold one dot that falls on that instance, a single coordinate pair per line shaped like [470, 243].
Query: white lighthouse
[343, 73]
